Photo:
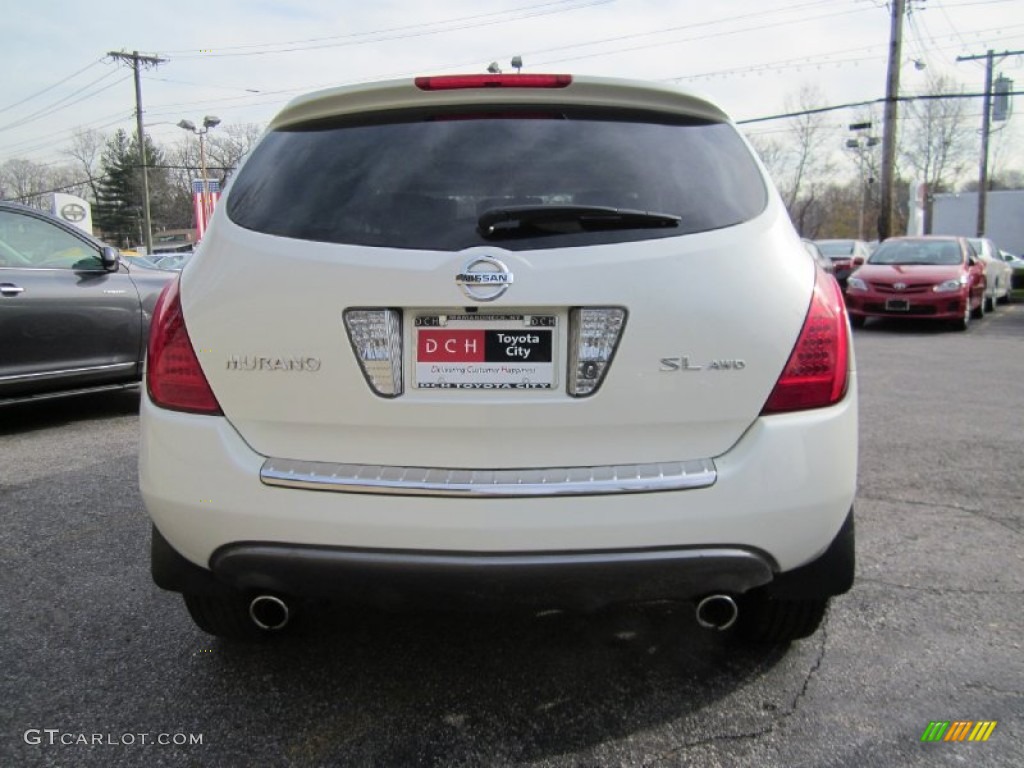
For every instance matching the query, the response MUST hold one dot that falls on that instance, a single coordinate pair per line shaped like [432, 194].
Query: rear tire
[225, 616]
[764, 619]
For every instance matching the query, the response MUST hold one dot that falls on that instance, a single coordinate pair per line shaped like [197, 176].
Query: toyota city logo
[484, 278]
[73, 212]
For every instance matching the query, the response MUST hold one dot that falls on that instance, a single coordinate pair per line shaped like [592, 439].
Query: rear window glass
[415, 180]
[837, 248]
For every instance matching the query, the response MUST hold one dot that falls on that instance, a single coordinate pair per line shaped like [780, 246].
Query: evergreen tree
[113, 214]
[118, 212]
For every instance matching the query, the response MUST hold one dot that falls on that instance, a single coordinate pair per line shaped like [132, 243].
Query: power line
[399, 33]
[55, 107]
[689, 27]
[50, 87]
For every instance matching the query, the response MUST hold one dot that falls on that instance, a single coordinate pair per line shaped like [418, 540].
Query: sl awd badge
[680, 364]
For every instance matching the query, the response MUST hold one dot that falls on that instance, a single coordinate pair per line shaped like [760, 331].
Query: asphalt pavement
[100, 666]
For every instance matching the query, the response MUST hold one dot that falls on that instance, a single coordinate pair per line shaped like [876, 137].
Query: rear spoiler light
[458, 82]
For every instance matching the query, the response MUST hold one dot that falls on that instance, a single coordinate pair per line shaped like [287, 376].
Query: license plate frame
[897, 305]
[485, 351]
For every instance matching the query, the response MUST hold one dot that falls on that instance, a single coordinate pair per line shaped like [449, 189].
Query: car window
[836, 248]
[26, 241]
[978, 245]
[917, 252]
[422, 180]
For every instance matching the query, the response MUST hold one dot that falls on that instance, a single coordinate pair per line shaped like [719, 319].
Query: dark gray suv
[74, 317]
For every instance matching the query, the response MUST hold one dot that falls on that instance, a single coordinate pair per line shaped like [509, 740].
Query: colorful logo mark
[958, 730]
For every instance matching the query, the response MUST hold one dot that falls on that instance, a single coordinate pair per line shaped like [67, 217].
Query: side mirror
[110, 258]
[858, 261]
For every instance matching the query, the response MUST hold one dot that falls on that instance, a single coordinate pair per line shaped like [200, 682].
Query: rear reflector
[595, 333]
[174, 377]
[816, 374]
[376, 338]
[457, 82]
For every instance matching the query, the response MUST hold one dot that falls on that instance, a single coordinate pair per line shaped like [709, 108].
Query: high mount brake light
[174, 377]
[458, 82]
[816, 373]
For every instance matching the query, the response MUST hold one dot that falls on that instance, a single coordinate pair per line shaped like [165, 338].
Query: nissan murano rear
[535, 340]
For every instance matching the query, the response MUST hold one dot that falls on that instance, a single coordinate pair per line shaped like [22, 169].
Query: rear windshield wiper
[516, 220]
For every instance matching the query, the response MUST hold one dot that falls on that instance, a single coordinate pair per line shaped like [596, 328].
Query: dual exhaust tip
[271, 613]
[717, 612]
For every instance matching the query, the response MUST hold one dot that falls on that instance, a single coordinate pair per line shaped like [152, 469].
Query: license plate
[479, 351]
[897, 305]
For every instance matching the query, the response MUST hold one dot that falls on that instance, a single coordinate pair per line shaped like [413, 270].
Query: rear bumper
[780, 495]
[577, 580]
[938, 306]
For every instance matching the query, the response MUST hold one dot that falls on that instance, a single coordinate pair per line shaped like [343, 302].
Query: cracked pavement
[932, 629]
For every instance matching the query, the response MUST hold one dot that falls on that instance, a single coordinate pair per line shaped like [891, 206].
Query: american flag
[203, 204]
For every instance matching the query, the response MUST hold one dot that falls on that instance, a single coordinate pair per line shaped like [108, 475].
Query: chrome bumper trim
[440, 481]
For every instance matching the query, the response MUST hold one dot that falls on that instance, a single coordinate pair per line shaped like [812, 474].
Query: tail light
[816, 374]
[173, 375]
[594, 335]
[458, 82]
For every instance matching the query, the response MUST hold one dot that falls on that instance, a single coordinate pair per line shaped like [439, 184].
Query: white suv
[502, 339]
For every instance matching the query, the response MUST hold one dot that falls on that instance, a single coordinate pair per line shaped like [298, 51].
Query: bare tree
[772, 152]
[803, 162]
[227, 147]
[938, 144]
[25, 181]
[812, 151]
[183, 164]
[86, 149]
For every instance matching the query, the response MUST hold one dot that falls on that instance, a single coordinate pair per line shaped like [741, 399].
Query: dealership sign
[73, 210]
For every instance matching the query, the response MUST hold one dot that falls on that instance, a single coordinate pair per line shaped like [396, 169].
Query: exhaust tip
[269, 612]
[717, 612]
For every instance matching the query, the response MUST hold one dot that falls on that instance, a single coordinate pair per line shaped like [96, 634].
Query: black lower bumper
[580, 580]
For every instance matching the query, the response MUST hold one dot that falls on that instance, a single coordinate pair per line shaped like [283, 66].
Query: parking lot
[102, 668]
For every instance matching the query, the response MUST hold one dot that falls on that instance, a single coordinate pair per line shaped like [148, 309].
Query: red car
[933, 277]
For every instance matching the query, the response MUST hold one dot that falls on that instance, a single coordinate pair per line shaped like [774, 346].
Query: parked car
[74, 316]
[135, 259]
[174, 261]
[820, 259]
[924, 277]
[998, 274]
[456, 337]
[846, 256]
[1017, 265]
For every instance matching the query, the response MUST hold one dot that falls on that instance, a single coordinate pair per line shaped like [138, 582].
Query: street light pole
[861, 144]
[204, 196]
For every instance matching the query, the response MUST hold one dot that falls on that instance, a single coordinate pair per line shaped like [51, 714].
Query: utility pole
[986, 123]
[892, 88]
[135, 60]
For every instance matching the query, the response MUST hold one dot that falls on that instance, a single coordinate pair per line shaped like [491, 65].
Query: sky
[243, 61]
